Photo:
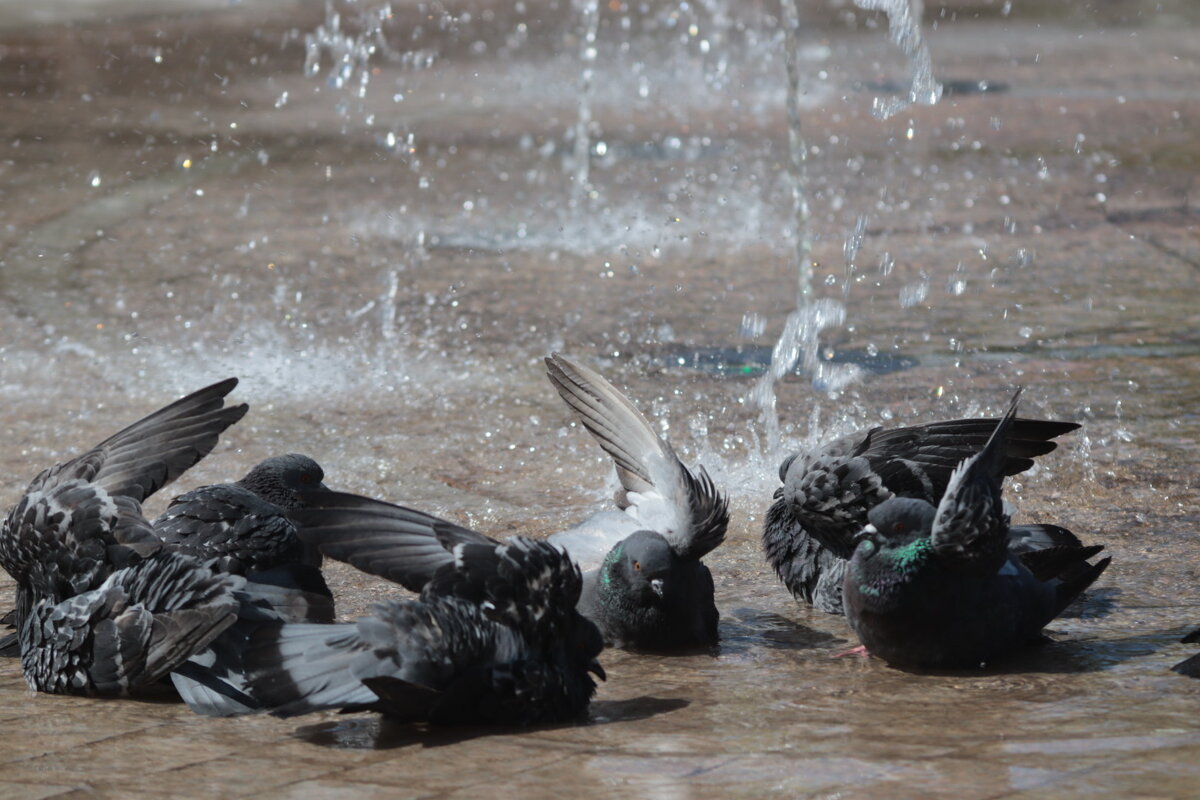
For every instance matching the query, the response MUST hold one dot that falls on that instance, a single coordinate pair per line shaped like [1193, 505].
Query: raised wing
[142, 458]
[659, 492]
[831, 487]
[970, 528]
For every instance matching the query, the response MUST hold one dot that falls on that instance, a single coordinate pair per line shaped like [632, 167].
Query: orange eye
[306, 478]
[637, 565]
[899, 527]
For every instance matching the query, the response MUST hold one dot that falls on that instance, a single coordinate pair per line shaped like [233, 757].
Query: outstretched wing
[659, 492]
[142, 458]
[400, 544]
[970, 528]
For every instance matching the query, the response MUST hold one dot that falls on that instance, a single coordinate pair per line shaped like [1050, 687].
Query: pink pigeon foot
[861, 650]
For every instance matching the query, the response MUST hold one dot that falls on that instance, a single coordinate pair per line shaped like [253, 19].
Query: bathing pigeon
[245, 523]
[938, 586]
[493, 637]
[101, 608]
[650, 590]
[827, 491]
[1190, 666]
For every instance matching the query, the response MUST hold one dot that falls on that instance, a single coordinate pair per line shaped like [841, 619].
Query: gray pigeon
[80, 552]
[103, 606]
[826, 493]
[939, 587]
[493, 638]
[245, 523]
[650, 591]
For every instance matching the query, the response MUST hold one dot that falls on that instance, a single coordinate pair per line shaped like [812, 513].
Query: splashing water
[797, 154]
[589, 11]
[798, 347]
[798, 343]
[904, 29]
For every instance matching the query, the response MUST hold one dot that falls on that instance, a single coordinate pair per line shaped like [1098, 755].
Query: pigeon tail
[1189, 667]
[300, 668]
[1074, 585]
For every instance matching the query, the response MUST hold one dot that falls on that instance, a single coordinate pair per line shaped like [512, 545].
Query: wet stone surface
[180, 202]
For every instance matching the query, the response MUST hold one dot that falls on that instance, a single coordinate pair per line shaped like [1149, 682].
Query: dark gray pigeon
[827, 491]
[245, 523]
[493, 638]
[939, 587]
[1190, 666]
[80, 551]
[103, 606]
[649, 590]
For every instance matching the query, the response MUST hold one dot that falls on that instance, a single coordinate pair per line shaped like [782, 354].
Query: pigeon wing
[970, 527]
[142, 458]
[658, 490]
[393, 542]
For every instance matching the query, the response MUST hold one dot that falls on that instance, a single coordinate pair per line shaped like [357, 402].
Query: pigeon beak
[656, 586]
[778, 493]
[597, 670]
[866, 533]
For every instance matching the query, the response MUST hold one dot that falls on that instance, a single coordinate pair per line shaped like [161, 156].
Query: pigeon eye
[637, 565]
[899, 527]
[306, 477]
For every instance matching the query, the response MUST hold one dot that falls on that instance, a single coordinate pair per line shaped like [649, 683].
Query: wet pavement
[179, 202]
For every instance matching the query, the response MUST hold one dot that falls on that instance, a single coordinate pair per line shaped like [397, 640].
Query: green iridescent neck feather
[910, 557]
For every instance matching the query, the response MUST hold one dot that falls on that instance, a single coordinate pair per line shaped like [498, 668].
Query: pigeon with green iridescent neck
[650, 590]
[827, 491]
[939, 587]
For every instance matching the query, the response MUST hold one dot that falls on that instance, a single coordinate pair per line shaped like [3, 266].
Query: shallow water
[169, 219]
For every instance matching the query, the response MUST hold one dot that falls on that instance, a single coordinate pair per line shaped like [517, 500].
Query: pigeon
[938, 586]
[649, 590]
[101, 609]
[1190, 666]
[809, 530]
[492, 638]
[245, 523]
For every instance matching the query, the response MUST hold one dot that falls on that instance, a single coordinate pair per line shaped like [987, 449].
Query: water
[391, 321]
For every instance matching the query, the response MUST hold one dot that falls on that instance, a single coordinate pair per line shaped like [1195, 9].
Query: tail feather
[209, 693]
[1074, 585]
[1062, 562]
[1026, 538]
[1189, 667]
[300, 668]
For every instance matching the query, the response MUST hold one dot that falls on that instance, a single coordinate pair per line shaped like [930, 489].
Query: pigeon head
[890, 550]
[283, 479]
[639, 567]
[895, 524]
